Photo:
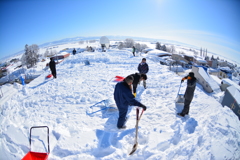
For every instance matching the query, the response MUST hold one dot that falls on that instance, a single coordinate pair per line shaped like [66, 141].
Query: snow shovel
[37, 155]
[136, 135]
[180, 97]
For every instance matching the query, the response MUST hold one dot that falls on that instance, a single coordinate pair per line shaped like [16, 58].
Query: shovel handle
[179, 88]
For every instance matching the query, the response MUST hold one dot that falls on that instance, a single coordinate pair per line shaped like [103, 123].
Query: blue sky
[211, 24]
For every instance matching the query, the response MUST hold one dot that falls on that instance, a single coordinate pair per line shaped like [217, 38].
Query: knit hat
[191, 74]
[129, 79]
[144, 76]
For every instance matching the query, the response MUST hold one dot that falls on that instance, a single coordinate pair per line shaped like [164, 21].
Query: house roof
[225, 69]
[201, 60]
[231, 83]
[235, 93]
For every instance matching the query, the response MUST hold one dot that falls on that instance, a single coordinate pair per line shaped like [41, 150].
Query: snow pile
[209, 132]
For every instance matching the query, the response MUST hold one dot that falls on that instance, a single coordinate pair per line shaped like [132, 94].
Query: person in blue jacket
[143, 69]
[123, 97]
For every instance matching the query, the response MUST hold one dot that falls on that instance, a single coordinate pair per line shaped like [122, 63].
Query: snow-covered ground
[209, 132]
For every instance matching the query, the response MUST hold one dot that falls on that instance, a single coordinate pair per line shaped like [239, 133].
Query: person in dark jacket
[134, 49]
[74, 51]
[143, 69]
[52, 66]
[137, 79]
[123, 97]
[191, 85]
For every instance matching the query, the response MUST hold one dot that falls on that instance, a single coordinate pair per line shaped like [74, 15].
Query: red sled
[119, 80]
[37, 155]
[49, 76]
[119, 77]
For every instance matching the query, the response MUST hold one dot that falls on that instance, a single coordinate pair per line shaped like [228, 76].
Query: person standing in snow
[52, 66]
[191, 85]
[137, 79]
[74, 51]
[123, 97]
[143, 69]
[134, 49]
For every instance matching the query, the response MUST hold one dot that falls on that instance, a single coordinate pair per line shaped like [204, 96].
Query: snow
[209, 132]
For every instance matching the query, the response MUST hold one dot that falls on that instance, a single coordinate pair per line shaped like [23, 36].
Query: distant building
[222, 63]
[232, 100]
[225, 72]
[188, 58]
[178, 57]
[200, 62]
[227, 82]
[213, 63]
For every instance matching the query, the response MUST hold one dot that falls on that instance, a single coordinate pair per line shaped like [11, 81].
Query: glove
[135, 94]
[144, 107]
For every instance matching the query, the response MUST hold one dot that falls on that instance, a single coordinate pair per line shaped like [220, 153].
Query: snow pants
[186, 107]
[54, 73]
[122, 116]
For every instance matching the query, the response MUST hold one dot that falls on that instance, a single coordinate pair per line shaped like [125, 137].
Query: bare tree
[129, 43]
[158, 46]
[30, 57]
[47, 53]
[172, 49]
[120, 45]
[164, 48]
[139, 47]
[195, 53]
[81, 42]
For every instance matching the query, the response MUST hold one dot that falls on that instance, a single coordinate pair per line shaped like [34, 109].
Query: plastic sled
[49, 76]
[119, 77]
[180, 98]
[37, 155]
[119, 80]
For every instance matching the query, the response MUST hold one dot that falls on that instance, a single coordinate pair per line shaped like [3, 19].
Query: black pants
[186, 107]
[134, 88]
[134, 54]
[54, 73]
[122, 117]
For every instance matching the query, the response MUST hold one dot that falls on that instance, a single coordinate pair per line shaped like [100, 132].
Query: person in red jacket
[123, 97]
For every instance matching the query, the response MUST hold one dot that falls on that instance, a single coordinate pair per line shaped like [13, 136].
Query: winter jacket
[74, 51]
[134, 49]
[137, 77]
[191, 84]
[143, 68]
[123, 96]
[52, 66]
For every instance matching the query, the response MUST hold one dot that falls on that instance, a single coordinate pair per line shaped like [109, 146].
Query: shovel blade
[134, 148]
